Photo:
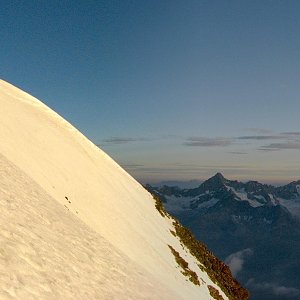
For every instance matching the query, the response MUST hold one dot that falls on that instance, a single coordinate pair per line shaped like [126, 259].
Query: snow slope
[46, 252]
[74, 224]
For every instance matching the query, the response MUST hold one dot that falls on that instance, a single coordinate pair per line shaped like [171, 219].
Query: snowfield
[242, 196]
[47, 252]
[74, 224]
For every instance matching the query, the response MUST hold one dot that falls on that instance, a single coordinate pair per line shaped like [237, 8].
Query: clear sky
[170, 89]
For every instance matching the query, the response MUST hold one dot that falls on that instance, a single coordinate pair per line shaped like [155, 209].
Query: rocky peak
[289, 191]
[219, 176]
[215, 182]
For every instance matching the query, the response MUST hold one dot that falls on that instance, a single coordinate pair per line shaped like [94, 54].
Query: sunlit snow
[74, 224]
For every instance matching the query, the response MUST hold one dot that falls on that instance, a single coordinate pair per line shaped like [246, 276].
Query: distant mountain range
[253, 227]
[183, 184]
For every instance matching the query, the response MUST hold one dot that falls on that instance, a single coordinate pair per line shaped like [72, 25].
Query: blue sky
[170, 89]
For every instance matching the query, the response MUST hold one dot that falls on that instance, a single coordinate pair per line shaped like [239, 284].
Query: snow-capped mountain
[289, 191]
[289, 196]
[75, 225]
[254, 227]
[217, 187]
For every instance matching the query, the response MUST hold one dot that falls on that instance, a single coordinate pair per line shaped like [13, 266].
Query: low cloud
[286, 140]
[268, 149]
[238, 152]
[261, 137]
[208, 142]
[183, 170]
[131, 166]
[281, 146]
[122, 140]
[259, 130]
[236, 260]
[274, 289]
[294, 133]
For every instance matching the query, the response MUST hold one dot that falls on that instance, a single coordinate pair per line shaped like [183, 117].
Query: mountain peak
[219, 176]
[214, 182]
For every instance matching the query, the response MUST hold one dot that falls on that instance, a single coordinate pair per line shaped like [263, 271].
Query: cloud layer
[208, 142]
[123, 140]
[281, 146]
[282, 141]
[261, 137]
[236, 260]
[274, 289]
[285, 141]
